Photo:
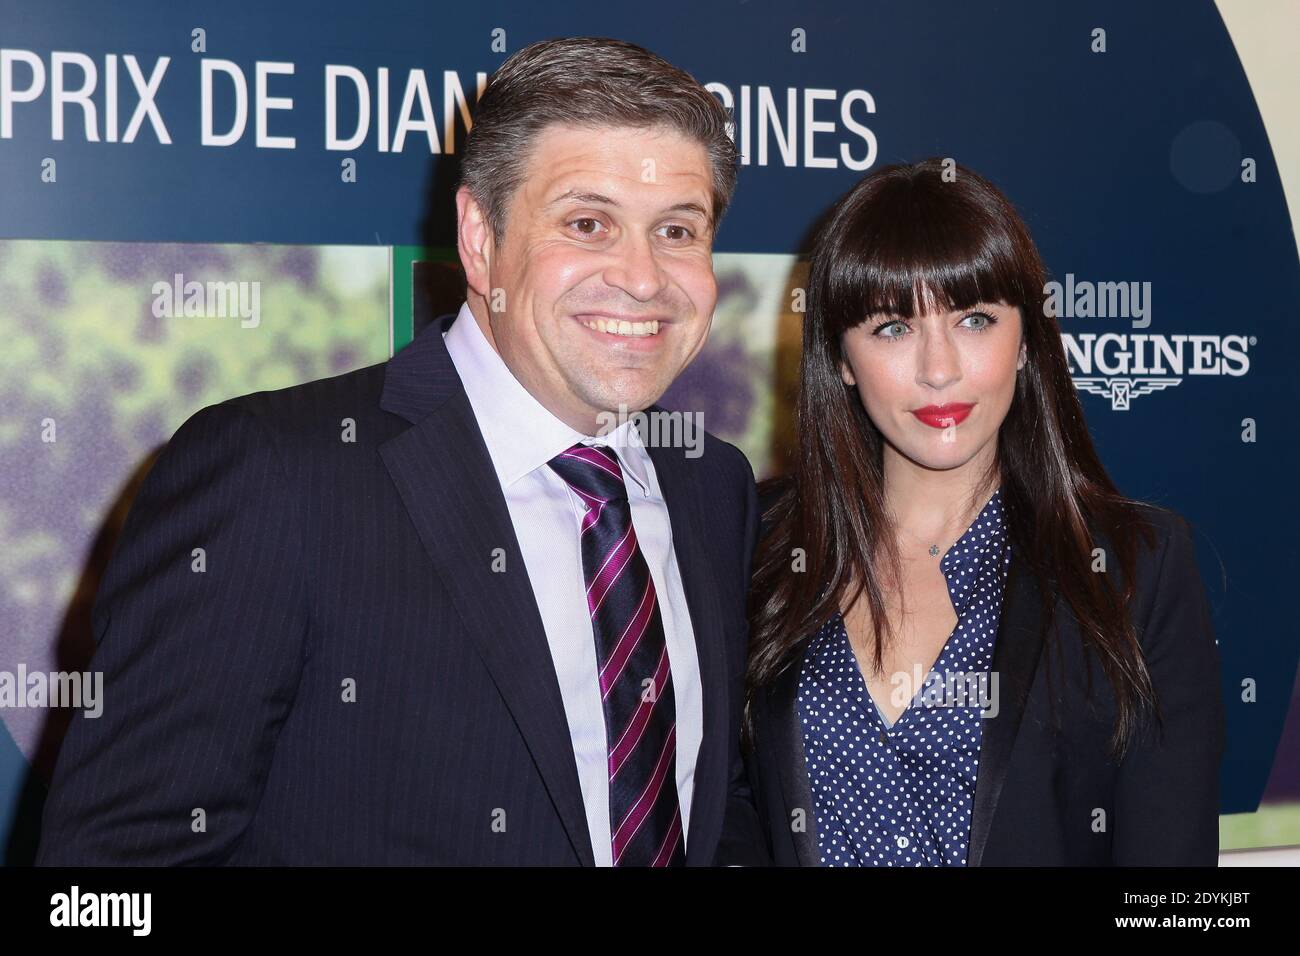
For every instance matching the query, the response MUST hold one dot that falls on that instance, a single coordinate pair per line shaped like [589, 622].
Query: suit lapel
[682, 494]
[445, 477]
[1015, 659]
[787, 749]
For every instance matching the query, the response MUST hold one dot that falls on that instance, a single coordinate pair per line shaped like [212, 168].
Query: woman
[967, 647]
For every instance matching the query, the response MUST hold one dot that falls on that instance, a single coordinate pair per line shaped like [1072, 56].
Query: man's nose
[636, 269]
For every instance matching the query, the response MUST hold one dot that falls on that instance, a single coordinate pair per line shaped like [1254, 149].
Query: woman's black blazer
[1048, 792]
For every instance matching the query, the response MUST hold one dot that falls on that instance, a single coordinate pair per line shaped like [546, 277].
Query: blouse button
[884, 739]
[902, 842]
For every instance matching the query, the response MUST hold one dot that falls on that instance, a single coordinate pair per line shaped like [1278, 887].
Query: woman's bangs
[913, 265]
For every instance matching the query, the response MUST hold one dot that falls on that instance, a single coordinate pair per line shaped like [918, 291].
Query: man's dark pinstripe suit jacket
[228, 734]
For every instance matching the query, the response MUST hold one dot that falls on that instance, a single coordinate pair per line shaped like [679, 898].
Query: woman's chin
[939, 457]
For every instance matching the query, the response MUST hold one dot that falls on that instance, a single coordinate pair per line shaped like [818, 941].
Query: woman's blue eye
[900, 326]
[980, 327]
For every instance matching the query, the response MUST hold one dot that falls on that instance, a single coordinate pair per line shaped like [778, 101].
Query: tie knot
[593, 472]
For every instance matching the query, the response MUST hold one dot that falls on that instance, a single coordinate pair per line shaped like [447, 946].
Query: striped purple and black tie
[632, 657]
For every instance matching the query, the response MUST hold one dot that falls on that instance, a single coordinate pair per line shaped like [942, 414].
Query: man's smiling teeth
[622, 326]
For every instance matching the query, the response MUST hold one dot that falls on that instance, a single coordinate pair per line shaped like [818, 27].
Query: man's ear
[474, 241]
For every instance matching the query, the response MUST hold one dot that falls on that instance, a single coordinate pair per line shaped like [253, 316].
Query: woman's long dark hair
[905, 237]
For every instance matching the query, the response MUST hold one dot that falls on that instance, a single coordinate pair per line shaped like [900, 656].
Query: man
[437, 611]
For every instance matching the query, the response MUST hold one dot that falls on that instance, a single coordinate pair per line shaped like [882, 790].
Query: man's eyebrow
[689, 207]
[575, 196]
[581, 197]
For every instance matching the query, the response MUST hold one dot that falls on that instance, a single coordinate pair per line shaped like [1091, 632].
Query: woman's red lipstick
[944, 416]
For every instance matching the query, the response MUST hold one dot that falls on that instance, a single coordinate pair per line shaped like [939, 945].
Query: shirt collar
[975, 551]
[520, 432]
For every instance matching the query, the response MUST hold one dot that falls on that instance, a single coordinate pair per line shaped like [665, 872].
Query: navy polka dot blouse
[901, 794]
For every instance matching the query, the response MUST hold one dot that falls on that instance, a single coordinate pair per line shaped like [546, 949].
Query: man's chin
[635, 393]
[625, 407]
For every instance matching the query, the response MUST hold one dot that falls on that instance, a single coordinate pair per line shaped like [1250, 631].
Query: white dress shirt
[521, 437]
